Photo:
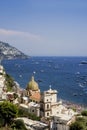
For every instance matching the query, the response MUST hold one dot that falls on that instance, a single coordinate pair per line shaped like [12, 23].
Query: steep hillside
[9, 52]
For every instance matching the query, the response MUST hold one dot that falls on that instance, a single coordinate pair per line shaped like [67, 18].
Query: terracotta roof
[35, 96]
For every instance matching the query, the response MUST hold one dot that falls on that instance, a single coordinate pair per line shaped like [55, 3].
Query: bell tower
[48, 98]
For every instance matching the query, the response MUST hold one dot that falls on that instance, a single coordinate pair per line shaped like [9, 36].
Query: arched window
[47, 114]
[47, 106]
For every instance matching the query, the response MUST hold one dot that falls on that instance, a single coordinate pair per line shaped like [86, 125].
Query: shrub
[18, 125]
[84, 113]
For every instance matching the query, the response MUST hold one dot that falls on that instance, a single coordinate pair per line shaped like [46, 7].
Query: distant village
[55, 115]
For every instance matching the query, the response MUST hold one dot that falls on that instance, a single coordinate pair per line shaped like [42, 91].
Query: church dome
[32, 85]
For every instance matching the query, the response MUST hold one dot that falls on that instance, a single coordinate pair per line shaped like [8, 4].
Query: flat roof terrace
[34, 124]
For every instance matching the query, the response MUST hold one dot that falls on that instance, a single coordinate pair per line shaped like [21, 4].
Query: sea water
[65, 74]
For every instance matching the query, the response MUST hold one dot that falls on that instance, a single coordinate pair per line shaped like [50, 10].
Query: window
[47, 106]
[32, 110]
[41, 105]
[47, 114]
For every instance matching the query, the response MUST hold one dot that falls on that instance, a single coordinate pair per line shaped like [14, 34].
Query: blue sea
[65, 74]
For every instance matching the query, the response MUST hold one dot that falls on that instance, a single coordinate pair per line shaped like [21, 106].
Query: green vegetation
[9, 82]
[84, 113]
[24, 113]
[6, 128]
[18, 125]
[76, 126]
[15, 95]
[74, 109]
[8, 112]
[80, 124]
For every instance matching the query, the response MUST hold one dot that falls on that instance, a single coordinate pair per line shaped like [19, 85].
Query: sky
[45, 27]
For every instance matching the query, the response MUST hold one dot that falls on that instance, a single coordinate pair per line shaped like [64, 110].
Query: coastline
[76, 106]
[65, 78]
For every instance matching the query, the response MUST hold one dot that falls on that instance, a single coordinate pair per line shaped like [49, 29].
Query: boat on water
[83, 62]
[75, 94]
[39, 80]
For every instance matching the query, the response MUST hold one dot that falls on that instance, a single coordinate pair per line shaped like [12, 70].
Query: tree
[9, 82]
[84, 113]
[19, 125]
[79, 124]
[24, 113]
[8, 112]
[76, 126]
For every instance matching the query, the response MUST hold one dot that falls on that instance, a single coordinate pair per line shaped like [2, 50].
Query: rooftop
[34, 124]
[34, 104]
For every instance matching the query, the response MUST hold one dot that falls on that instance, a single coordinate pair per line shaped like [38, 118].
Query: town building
[2, 83]
[32, 107]
[42, 104]
[33, 90]
[34, 125]
[48, 102]
[60, 117]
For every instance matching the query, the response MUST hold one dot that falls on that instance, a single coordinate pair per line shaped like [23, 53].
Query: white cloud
[18, 34]
[24, 41]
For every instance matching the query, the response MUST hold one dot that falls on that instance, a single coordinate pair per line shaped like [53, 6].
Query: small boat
[20, 75]
[42, 70]
[77, 72]
[81, 85]
[39, 80]
[75, 94]
[83, 62]
[81, 94]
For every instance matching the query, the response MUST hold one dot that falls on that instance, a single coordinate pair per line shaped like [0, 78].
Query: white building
[34, 125]
[32, 107]
[2, 82]
[48, 102]
[61, 117]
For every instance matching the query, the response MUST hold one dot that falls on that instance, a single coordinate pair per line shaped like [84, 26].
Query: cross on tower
[50, 87]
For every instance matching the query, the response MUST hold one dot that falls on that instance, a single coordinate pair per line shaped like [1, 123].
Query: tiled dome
[32, 85]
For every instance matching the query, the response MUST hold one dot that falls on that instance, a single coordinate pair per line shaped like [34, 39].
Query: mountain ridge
[9, 52]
